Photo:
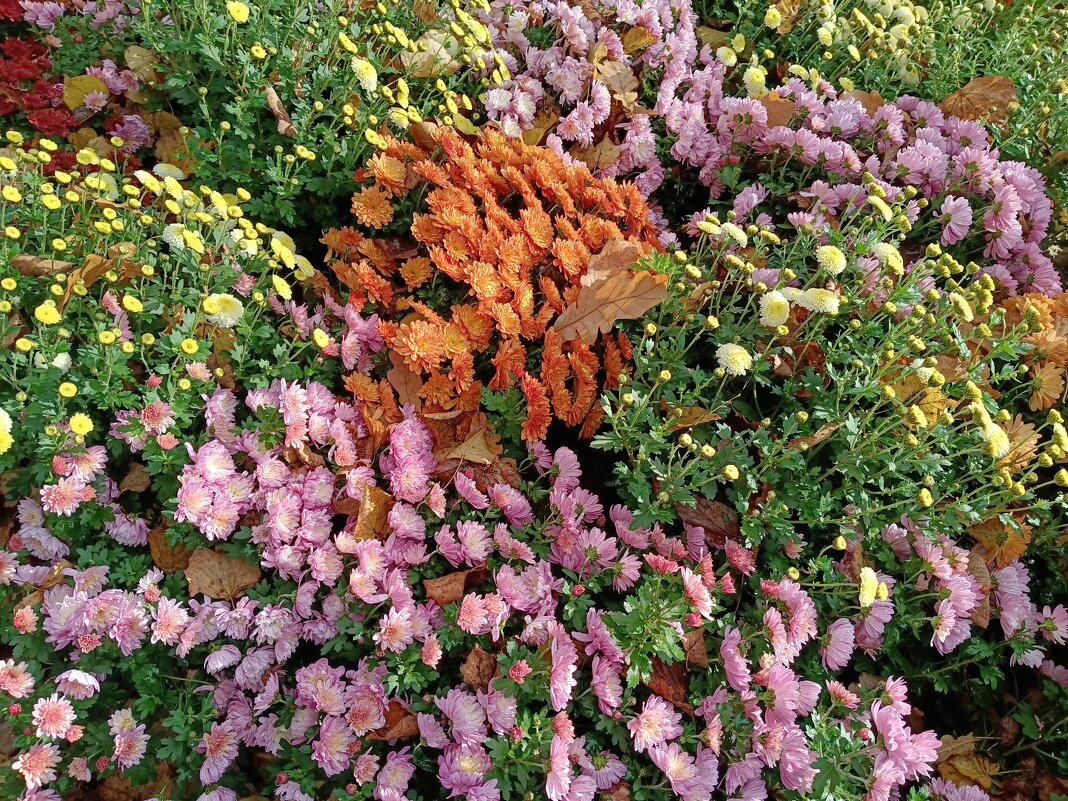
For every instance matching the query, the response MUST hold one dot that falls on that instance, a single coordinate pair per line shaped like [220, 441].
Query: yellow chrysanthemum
[238, 11]
[80, 424]
[869, 586]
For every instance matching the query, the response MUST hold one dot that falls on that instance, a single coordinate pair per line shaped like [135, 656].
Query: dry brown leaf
[404, 381]
[168, 558]
[617, 77]
[482, 446]
[986, 98]
[790, 10]
[141, 62]
[672, 683]
[38, 266]
[719, 521]
[426, 11]
[162, 121]
[92, 268]
[219, 576]
[543, 123]
[693, 643]
[137, 479]
[780, 111]
[600, 156]
[616, 255]
[425, 135]
[981, 573]
[400, 723]
[624, 296]
[694, 416]
[969, 769]
[450, 588]
[620, 791]
[274, 103]
[479, 668]
[713, 37]
[822, 434]
[372, 520]
[637, 38]
[871, 101]
[76, 87]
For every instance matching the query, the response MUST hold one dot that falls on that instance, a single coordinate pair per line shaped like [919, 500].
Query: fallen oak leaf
[216, 575]
[718, 520]
[624, 296]
[693, 643]
[404, 382]
[600, 156]
[780, 111]
[672, 683]
[822, 434]
[372, 519]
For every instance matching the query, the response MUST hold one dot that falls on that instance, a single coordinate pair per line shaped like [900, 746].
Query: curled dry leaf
[872, 101]
[624, 296]
[694, 416]
[168, 558]
[92, 269]
[987, 98]
[216, 575]
[400, 723]
[274, 103]
[979, 571]
[822, 434]
[479, 668]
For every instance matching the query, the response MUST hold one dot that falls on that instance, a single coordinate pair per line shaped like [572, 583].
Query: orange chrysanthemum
[372, 207]
[503, 232]
[1050, 345]
[536, 425]
[389, 173]
[1047, 386]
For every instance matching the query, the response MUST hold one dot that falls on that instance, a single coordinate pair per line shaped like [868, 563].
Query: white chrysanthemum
[63, 361]
[889, 257]
[172, 235]
[366, 74]
[5, 422]
[997, 440]
[734, 359]
[792, 293]
[754, 80]
[774, 309]
[106, 185]
[165, 170]
[149, 181]
[823, 301]
[831, 259]
[223, 310]
[735, 233]
[727, 56]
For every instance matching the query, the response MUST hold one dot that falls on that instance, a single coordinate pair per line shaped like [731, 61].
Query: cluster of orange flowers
[1048, 361]
[502, 235]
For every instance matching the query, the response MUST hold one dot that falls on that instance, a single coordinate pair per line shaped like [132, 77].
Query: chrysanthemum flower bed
[741, 481]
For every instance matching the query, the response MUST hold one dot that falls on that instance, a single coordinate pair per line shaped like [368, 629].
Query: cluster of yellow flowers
[840, 36]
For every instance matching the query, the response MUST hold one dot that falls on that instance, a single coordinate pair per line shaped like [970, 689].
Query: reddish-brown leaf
[404, 382]
[479, 668]
[400, 723]
[693, 643]
[672, 683]
[451, 587]
[780, 111]
[136, 479]
[717, 519]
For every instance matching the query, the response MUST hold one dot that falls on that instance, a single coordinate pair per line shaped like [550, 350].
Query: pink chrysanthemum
[657, 723]
[37, 764]
[53, 716]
